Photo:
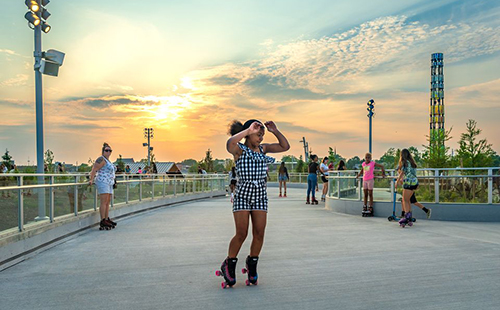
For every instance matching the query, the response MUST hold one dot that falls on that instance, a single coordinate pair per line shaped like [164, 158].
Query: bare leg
[284, 184]
[108, 201]
[325, 188]
[259, 220]
[365, 191]
[102, 207]
[370, 193]
[406, 198]
[418, 204]
[241, 219]
[280, 187]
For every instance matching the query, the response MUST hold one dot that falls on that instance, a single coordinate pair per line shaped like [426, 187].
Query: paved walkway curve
[312, 259]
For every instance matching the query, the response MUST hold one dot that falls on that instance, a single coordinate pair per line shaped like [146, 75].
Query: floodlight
[53, 55]
[49, 68]
[45, 14]
[32, 5]
[32, 18]
[45, 27]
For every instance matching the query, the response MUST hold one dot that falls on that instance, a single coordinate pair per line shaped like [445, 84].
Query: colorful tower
[436, 108]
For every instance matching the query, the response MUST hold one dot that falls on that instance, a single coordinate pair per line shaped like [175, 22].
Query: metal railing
[446, 185]
[71, 194]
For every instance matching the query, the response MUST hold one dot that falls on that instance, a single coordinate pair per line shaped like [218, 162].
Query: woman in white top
[104, 182]
[324, 173]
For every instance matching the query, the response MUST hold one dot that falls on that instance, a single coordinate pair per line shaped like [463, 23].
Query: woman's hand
[255, 128]
[271, 126]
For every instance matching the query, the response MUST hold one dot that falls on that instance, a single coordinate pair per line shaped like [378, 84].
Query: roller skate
[364, 211]
[369, 212]
[104, 225]
[314, 201]
[284, 195]
[280, 195]
[251, 270]
[407, 220]
[111, 222]
[307, 201]
[227, 270]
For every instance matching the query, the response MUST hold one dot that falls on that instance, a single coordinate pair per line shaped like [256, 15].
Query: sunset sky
[187, 68]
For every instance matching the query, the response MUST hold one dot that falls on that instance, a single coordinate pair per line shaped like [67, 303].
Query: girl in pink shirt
[367, 172]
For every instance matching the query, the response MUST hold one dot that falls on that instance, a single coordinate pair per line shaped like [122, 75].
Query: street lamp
[45, 63]
[148, 134]
[371, 107]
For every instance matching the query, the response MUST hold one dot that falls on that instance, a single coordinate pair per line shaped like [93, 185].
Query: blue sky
[188, 68]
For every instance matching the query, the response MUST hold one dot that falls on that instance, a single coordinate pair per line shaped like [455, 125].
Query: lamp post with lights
[371, 107]
[148, 134]
[46, 63]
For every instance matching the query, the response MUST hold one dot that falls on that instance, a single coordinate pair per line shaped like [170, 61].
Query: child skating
[408, 176]
[368, 173]
[250, 199]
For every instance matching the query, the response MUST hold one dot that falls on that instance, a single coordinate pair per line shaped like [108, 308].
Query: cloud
[342, 63]
[19, 80]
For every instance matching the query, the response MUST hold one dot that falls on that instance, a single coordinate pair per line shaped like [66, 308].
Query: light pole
[47, 63]
[148, 134]
[371, 107]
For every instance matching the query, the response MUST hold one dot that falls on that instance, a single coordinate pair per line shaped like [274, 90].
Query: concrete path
[312, 259]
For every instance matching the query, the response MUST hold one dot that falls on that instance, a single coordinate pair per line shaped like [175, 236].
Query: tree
[390, 158]
[472, 153]
[120, 163]
[289, 159]
[208, 162]
[229, 164]
[353, 163]
[435, 154]
[333, 157]
[7, 159]
[49, 160]
[301, 165]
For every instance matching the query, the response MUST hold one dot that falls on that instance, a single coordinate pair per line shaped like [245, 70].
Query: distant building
[162, 167]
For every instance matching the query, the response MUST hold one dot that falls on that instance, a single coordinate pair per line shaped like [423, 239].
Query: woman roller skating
[408, 176]
[250, 199]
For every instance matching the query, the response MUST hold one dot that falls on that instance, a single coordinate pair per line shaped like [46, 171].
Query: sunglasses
[108, 151]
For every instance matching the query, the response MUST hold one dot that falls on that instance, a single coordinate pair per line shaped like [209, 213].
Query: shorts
[410, 187]
[103, 188]
[368, 184]
[413, 199]
[233, 182]
[242, 204]
[324, 179]
[282, 178]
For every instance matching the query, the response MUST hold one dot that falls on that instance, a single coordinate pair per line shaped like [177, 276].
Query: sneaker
[284, 195]
[280, 195]
[429, 213]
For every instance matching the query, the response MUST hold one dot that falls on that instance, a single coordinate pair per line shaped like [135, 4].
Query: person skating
[408, 177]
[283, 176]
[250, 199]
[312, 179]
[368, 173]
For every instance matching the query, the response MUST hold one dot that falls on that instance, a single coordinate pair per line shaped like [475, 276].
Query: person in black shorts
[250, 199]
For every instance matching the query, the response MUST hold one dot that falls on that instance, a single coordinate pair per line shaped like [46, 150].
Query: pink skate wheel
[217, 273]
[247, 282]
[223, 285]
[244, 270]
[410, 224]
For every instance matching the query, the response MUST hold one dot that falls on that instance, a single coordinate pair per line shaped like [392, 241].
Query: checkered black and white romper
[251, 190]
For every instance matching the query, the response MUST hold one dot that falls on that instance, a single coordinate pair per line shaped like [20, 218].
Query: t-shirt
[368, 170]
[324, 169]
[313, 167]
[410, 175]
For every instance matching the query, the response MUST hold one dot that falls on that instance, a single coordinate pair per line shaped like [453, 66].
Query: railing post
[437, 181]
[153, 187]
[184, 185]
[490, 186]
[211, 184]
[140, 187]
[51, 199]
[95, 198]
[300, 178]
[393, 187]
[175, 185]
[360, 181]
[75, 198]
[338, 186]
[194, 185]
[164, 185]
[20, 205]
[127, 189]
